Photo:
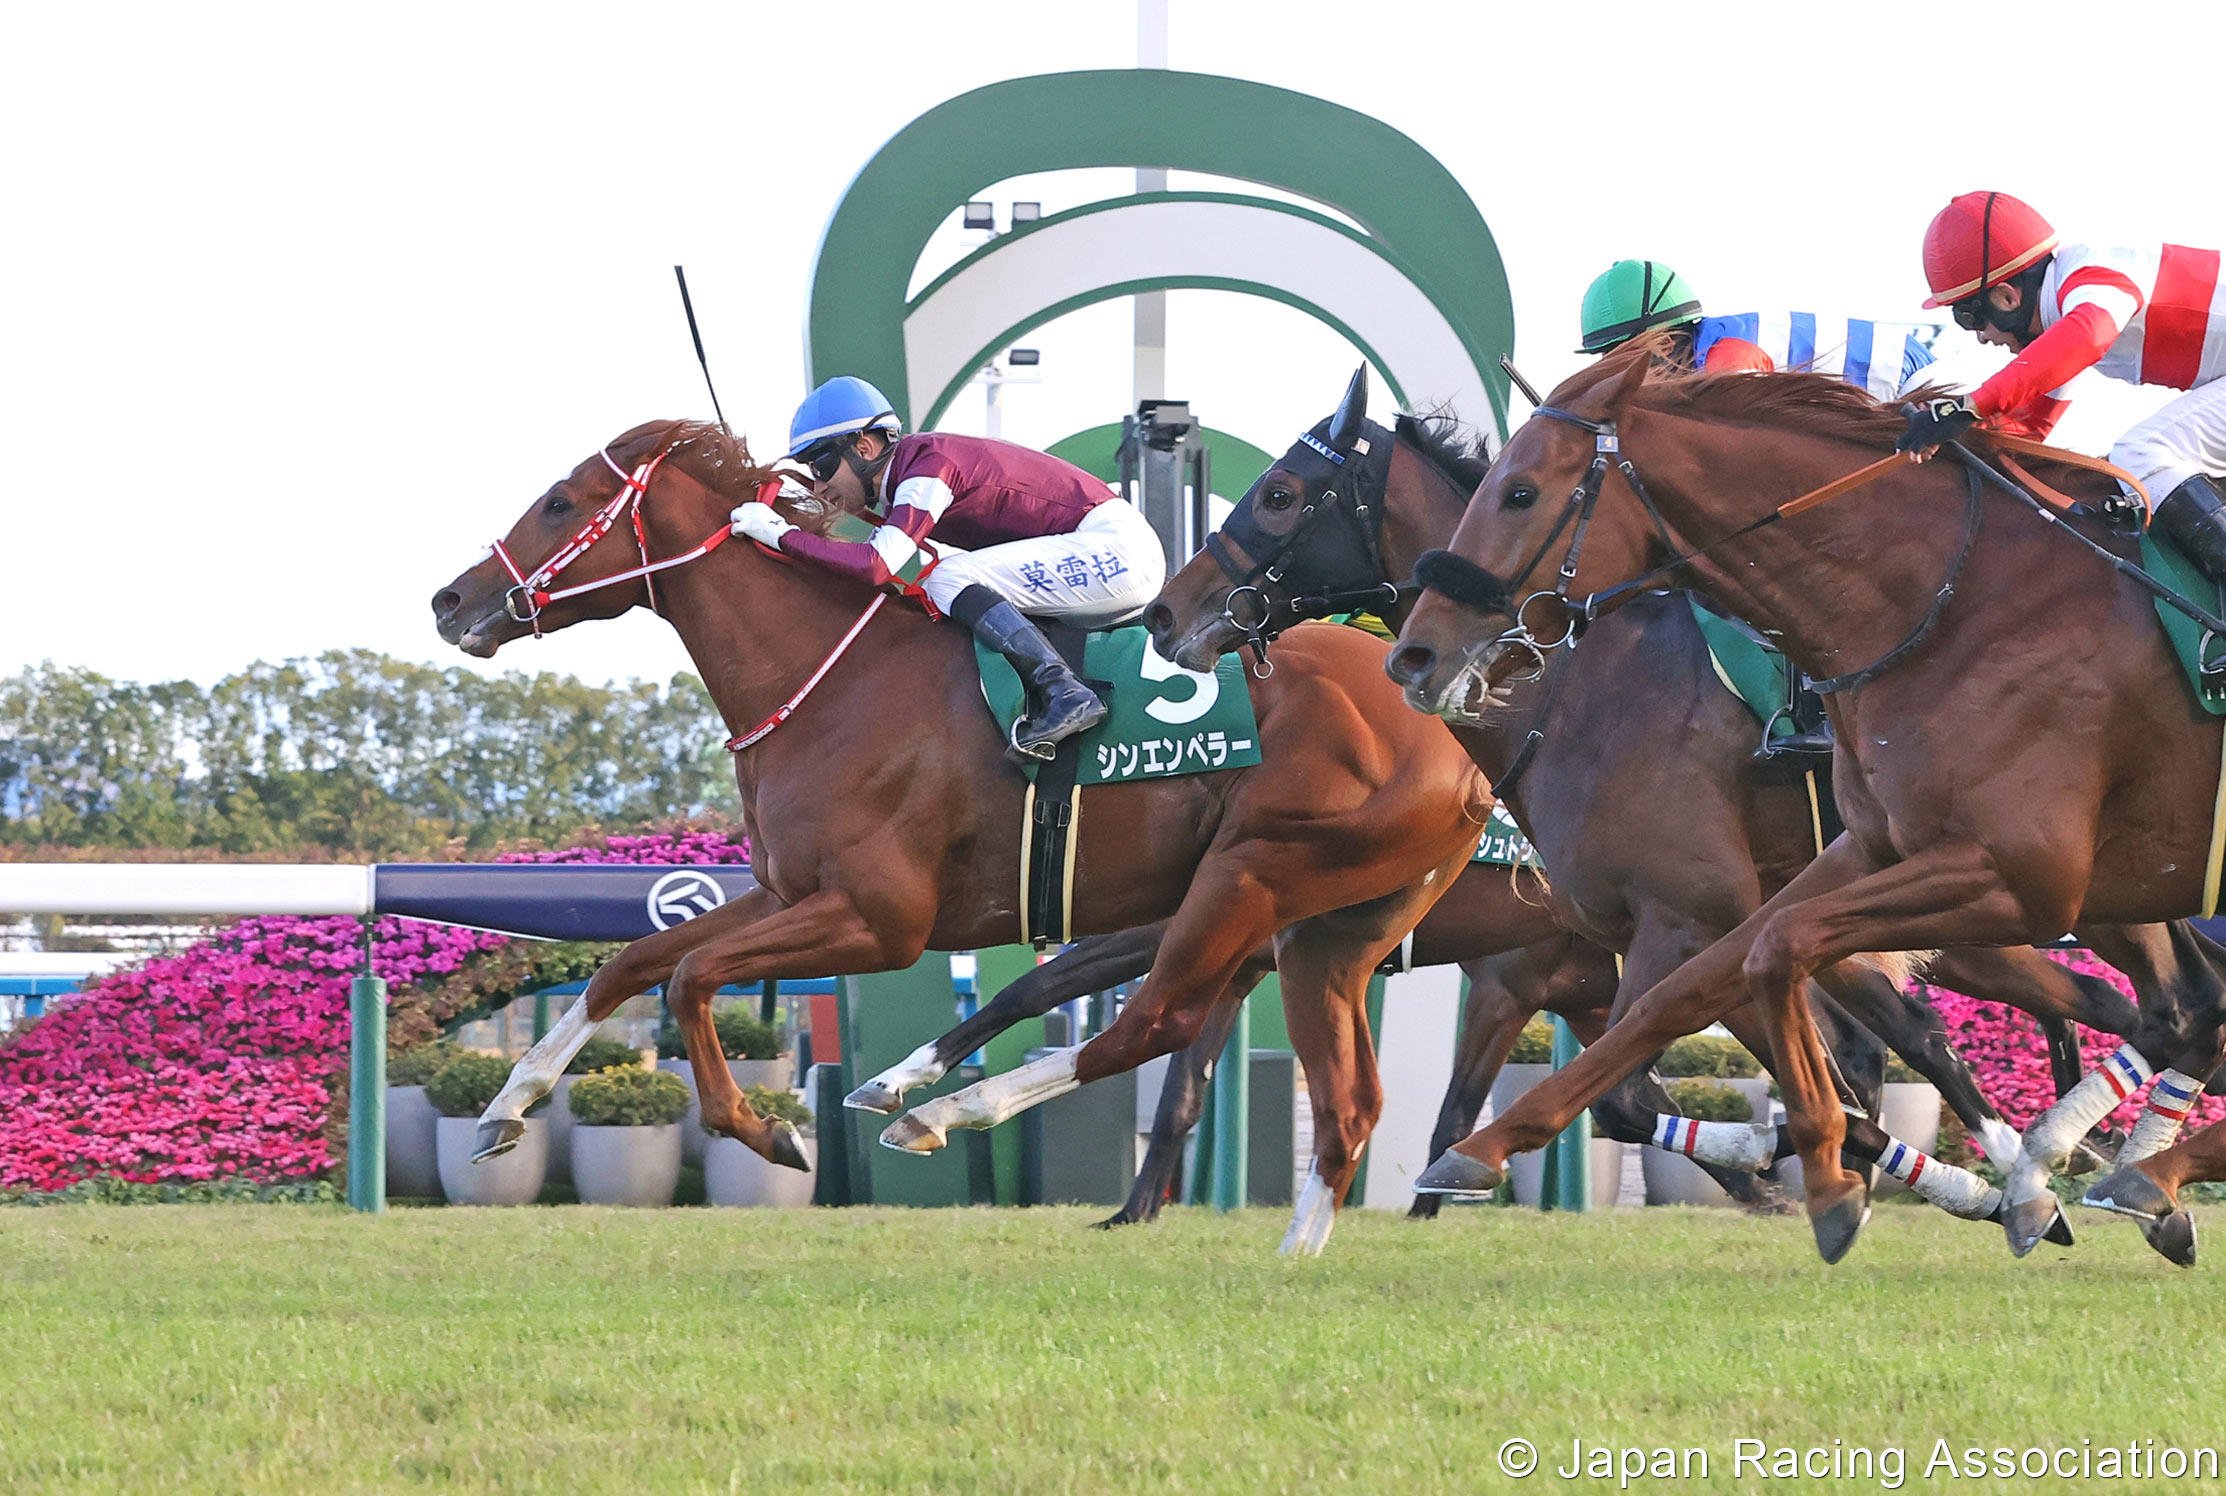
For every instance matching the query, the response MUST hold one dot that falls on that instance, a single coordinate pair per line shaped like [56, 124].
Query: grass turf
[250, 1349]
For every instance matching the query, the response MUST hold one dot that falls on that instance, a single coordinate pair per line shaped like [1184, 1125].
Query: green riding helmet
[1631, 297]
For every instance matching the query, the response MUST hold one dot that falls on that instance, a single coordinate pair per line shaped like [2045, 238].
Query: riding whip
[689, 306]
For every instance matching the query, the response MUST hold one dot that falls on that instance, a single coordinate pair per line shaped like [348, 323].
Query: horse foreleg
[1091, 965]
[1491, 1021]
[823, 934]
[641, 965]
[1947, 894]
[1182, 1098]
[1913, 1029]
[2149, 1190]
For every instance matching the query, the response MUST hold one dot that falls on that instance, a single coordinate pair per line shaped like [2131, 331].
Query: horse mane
[716, 458]
[1450, 446]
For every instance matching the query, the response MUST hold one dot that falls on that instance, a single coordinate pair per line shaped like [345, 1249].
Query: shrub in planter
[1534, 1045]
[628, 1096]
[460, 1090]
[599, 1053]
[412, 1159]
[596, 1054]
[1708, 1055]
[733, 1175]
[1709, 1101]
[745, 1036]
[626, 1136]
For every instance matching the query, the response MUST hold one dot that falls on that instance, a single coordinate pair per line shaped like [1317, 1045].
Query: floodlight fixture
[1023, 358]
[981, 216]
[1027, 212]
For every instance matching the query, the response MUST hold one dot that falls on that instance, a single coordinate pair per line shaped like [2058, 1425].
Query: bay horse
[1583, 757]
[2015, 760]
[884, 821]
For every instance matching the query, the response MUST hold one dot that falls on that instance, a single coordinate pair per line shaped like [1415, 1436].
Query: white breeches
[2185, 439]
[1108, 567]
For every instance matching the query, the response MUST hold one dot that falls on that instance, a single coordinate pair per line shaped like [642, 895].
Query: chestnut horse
[1655, 875]
[885, 823]
[2015, 760]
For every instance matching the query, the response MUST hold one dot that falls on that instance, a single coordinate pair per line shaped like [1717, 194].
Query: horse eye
[1280, 498]
[558, 504]
[1521, 496]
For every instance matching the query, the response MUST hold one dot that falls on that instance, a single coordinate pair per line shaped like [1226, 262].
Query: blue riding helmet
[841, 405]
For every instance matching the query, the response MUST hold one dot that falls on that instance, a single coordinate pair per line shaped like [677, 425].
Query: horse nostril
[1159, 620]
[446, 602]
[1411, 663]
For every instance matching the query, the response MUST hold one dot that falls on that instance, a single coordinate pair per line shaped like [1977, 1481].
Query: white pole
[993, 418]
[183, 888]
[1151, 306]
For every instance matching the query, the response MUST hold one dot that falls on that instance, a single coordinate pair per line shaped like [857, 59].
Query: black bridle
[1464, 582]
[1311, 571]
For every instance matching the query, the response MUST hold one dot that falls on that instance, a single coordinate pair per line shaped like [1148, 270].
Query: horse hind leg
[1091, 965]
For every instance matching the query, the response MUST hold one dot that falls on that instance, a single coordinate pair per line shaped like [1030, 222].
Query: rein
[530, 595]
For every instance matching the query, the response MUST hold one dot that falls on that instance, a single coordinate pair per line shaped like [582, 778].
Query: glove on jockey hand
[1936, 421]
[761, 523]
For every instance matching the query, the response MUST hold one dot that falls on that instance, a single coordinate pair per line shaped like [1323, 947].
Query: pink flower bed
[225, 1060]
[2004, 1050]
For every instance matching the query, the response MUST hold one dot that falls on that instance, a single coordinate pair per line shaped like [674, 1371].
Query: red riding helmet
[1981, 239]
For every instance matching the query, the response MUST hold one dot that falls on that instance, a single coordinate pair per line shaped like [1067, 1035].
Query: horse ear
[1352, 411]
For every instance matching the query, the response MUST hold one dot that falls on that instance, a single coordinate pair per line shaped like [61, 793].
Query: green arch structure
[1414, 213]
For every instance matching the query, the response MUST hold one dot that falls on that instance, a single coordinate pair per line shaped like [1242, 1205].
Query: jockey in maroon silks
[1018, 535]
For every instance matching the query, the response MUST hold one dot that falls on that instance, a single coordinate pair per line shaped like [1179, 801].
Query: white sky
[301, 305]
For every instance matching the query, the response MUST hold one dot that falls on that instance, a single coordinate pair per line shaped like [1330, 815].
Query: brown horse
[1658, 876]
[2015, 759]
[885, 822]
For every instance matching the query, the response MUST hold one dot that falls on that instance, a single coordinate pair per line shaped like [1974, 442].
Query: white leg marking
[538, 1068]
[919, 1068]
[989, 1102]
[1311, 1220]
[2000, 1142]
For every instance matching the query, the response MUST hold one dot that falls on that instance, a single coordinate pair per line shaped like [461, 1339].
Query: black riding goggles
[824, 460]
[1970, 312]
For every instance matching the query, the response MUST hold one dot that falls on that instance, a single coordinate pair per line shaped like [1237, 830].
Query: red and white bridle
[529, 595]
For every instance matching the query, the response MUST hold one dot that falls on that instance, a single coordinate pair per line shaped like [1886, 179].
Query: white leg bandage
[536, 1072]
[2055, 1132]
[1959, 1192]
[2170, 1100]
[1730, 1145]
[989, 1102]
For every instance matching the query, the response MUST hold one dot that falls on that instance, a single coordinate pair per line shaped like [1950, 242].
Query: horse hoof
[1425, 1208]
[2174, 1236]
[873, 1096]
[908, 1134]
[1455, 1173]
[2058, 1233]
[2085, 1159]
[2027, 1222]
[2130, 1192]
[1123, 1217]
[1837, 1226]
[496, 1138]
[787, 1149]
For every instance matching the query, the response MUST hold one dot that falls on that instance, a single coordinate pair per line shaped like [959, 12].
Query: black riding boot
[1059, 705]
[1812, 730]
[2194, 516]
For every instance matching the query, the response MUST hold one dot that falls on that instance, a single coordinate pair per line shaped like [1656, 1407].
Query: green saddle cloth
[1753, 671]
[2161, 559]
[1503, 843]
[1165, 720]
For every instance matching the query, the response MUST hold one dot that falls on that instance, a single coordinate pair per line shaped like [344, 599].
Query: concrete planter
[1512, 1082]
[733, 1175]
[637, 1166]
[412, 1165]
[513, 1178]
[558, 1109]
[746, 1073]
